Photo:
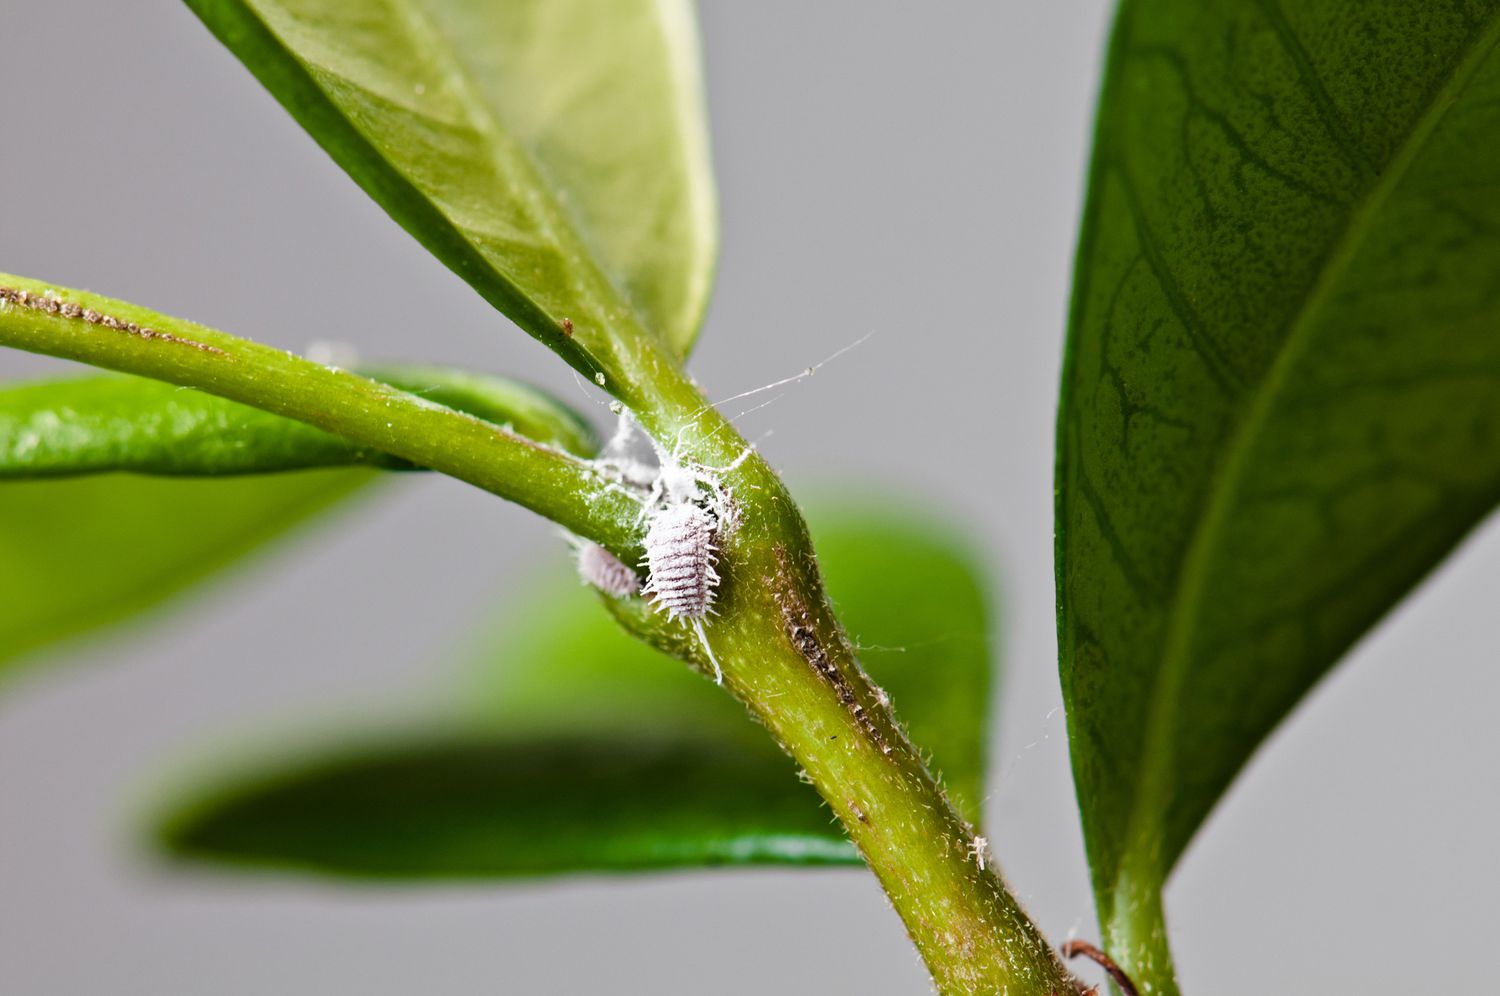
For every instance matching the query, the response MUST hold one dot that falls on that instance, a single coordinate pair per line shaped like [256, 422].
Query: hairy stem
[786, 657]
[784, 654]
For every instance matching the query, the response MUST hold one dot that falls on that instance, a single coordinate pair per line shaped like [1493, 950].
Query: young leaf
[96, 424]
[590, 751]
[78, 554]
[553, 153]
[1279, 406]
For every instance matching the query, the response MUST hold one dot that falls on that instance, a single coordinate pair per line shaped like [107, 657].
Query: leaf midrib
[566, 237]
[680, 39]
[1144, 825]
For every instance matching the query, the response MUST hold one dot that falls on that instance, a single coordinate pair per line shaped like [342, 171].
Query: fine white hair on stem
[803, 375]
[794, 378]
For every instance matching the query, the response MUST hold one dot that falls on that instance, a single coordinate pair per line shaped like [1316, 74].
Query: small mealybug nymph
[602, 569]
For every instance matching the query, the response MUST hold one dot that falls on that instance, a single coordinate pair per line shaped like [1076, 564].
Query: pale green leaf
[552, 152]
[78, 554]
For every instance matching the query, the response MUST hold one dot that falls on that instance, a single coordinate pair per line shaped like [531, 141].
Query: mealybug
[680, 555]
[686, 509]
[605, 571]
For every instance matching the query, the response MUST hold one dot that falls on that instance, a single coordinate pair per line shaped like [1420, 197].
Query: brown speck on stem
[1073, 949]
[50, 305]
[567, 327]
[799, 629]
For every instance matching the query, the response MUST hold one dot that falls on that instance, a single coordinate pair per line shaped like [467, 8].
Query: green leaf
[1280, 404]
[459, 806]
[96, 424]
[553, 153]
[581, 749]
[78, 554]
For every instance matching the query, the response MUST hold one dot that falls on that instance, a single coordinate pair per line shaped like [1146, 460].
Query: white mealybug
[680, 555]
[602, 569]
[683, 524]
[686, 510]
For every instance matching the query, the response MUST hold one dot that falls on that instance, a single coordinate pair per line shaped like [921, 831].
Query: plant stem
[783, 652]
[787, 658]
[784, 655]
[547, 480]
[1135, 931]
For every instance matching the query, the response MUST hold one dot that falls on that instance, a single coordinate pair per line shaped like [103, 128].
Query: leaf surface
[1280, 403]
[584, 750]
[553, 153]
[78, 554]
[108, 423]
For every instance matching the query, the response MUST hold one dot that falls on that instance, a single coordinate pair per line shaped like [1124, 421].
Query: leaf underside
[582, 750]
[78, 554]
[553, 153]
[1281, 399]
[82, 545]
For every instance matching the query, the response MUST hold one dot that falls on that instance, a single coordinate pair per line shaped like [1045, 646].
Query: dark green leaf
[1281, 405]
[552, 152]
[487, 806]
[95, 424]
[78, 554]
[584, 750]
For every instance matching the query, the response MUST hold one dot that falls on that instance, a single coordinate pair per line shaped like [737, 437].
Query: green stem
[787, 658]
[784, 655]
[118, 336]
[781, 647]
[1135, 931]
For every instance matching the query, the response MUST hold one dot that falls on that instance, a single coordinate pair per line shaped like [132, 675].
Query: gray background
[908, 170]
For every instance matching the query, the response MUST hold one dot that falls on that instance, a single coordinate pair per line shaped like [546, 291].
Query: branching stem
[781, 648]
[118, 336]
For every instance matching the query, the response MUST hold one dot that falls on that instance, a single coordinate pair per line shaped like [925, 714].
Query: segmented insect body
[680, 556]
[685, 508]
[602, 569]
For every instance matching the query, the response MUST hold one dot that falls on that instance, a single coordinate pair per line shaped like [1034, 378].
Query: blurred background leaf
[577, 748]
[81, 553]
